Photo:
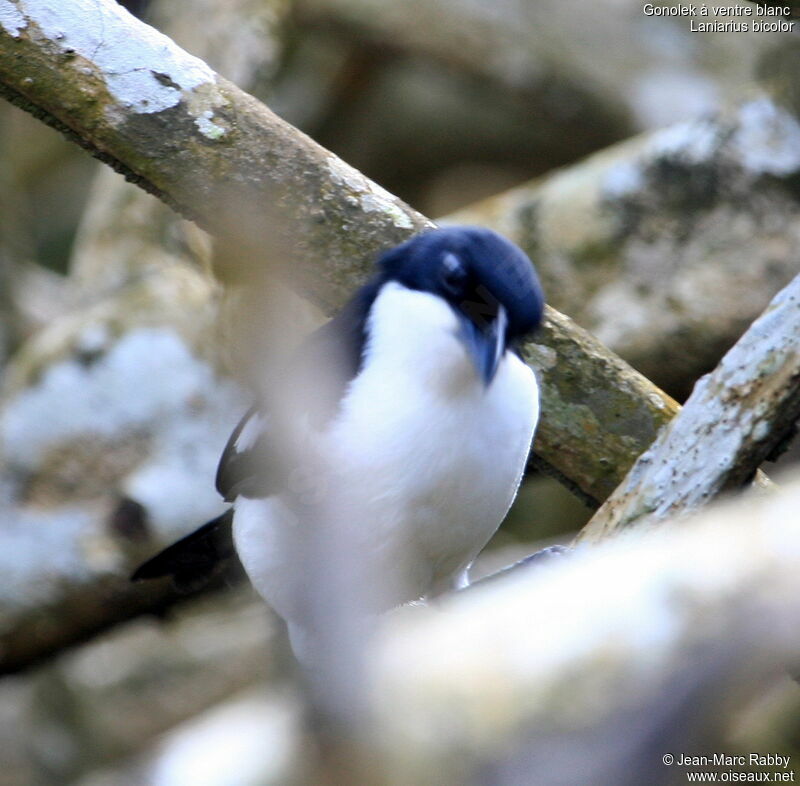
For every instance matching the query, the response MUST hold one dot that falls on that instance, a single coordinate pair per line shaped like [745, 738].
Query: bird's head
[489, 283]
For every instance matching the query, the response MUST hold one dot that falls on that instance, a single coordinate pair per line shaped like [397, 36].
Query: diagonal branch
[601, 662]
[735, 418]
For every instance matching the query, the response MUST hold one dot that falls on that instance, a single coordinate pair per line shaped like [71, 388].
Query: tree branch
[189, 135]
[600, 662]
[598, 413]
[511, 50]
[733, 421]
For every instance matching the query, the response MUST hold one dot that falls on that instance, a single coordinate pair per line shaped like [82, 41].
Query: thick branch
[598, 663]
[586, 670]
[164, 673]
[598, 413]
[545, 53]
[187, 134]
[511, 49]
[734, 419]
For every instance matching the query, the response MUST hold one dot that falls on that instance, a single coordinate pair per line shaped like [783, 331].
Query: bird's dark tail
[195, 559]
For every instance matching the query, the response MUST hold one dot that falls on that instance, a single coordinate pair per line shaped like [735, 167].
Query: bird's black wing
[194, 559]
[243, 468]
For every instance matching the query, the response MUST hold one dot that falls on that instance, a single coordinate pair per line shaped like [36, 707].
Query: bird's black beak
[486, 343]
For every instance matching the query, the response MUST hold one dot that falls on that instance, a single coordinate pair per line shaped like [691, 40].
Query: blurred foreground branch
[584, 670]
[590, 669]
[735, 418]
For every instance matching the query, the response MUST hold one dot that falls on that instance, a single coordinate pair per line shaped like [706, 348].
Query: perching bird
[422, 437]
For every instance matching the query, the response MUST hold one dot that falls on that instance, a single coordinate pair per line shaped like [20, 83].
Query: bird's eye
[453, 274]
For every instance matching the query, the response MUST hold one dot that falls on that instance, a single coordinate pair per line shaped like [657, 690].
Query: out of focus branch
[735, 418]
[106, 490]
[591, 668]
[163, 674]
[608, 67]
[78, 613]
[503, 48]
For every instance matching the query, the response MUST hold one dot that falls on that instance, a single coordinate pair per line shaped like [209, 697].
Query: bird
[421, 436]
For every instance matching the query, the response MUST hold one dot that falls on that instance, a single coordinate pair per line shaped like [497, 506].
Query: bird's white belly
[455, 463]
[422, 462]
[423, 480]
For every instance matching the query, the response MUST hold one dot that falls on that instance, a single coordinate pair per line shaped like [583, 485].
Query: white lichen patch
[143, 69]
[148, 383]
[661, 96]
[344, 175]
[207, 126]
[693, 141]
[176, 483]
[39, 546]
[147, 373]
[622, 179]
[761, 430]
[371, 198]
[768, 138]
[11, 19]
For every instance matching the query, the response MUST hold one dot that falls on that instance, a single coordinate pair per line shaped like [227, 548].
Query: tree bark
[139, 276]
[735, 418]
[179, 130]
[592, 668]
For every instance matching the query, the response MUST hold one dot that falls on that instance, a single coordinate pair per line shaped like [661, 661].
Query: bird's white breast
[423, 458]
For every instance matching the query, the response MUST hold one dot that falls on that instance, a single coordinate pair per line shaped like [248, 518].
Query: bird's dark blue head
[489, 282]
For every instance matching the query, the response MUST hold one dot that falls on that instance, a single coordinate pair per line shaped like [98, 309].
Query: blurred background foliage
[442, 102]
